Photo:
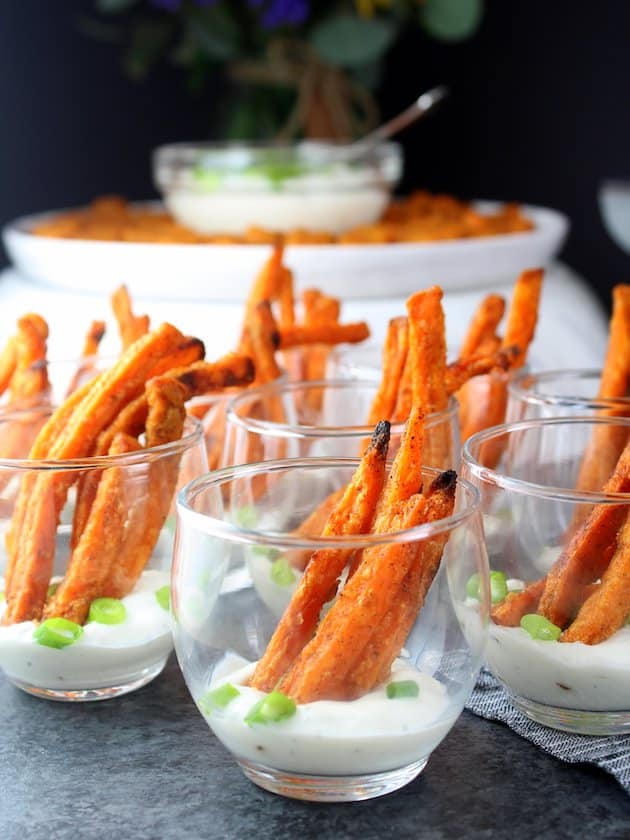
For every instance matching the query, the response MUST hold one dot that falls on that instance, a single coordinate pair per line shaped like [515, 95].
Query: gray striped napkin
[611, 753]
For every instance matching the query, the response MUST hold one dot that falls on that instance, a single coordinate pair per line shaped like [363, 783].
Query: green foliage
[451, 20]
[346, 40]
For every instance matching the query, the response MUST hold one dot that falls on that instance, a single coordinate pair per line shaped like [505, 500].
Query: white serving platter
[224, 272]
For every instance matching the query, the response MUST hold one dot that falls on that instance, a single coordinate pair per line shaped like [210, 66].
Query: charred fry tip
[380, 436]
[98, 330]
[445, 482]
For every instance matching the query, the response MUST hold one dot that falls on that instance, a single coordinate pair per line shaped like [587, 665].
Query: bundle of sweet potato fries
[136, 405]
[587, 591]
[349, 650]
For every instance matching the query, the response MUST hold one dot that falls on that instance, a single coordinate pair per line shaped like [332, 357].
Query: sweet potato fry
[463, 369]
[106, 395]
[8, 362]
[204, 377]
[324, 334]
[165, 423]
[98, 549]
[607, 442]
[263, 335]
[588, 552]
[427, 352]
[483, 326]
[375, 663]
[352, 515]
[523, 314]
[517, 604]
[394, 358]
[322, 669]
[29, 383]
[86, 368]
[131, 327]
[605, 611]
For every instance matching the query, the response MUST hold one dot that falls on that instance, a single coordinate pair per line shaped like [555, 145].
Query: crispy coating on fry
[204, 377]
[517, 604]
[324, 334]
[98, 549]
[131, 327]
[29, 384]
[321, 671]
[395, 347]
[606, 609]
[523, 314]
[8, 362]
[587, 555]
[483, 326]
[352, 515]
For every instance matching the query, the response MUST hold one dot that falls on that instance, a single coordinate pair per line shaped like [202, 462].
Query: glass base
[574, 720]
[84, 695]
[330, 788]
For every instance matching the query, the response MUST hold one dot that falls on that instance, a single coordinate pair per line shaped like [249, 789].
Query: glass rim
[297, 431]
[529, 395]
[530, 488]
[233, 533]
[193, 434]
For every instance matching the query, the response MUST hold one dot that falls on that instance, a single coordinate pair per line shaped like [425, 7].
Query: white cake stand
[572, 329]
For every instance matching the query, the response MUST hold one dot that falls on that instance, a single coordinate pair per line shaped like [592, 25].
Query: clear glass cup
[233, 577]
[527, 473]
[561, 393]
[128, 536]
[322, 419]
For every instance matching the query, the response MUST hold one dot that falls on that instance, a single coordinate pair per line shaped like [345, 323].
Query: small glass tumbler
[235, 571]
[85, 554]
[323, 419]
[561, 393]
[537, 519]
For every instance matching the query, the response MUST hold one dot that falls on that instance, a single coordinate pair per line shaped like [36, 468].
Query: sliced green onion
[266, 551]
[218, 698]
[52, 589]
[472, 587]
[57, 633]
[272, 708]
[163, 597]
[498, 587]
[107, 611]
[540, 628]
[208, 179]
[281, 572]
[246, 517]
[402, 688]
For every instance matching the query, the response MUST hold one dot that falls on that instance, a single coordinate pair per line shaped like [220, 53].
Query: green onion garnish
[402, 688]
[246, 517]
[207, 179]
[265, 551]
[107, 611]
[52, 589]
[281, 572]
[57, 633]
[163, 597]
[540, 628]
[472, 587]
[218, 698]
[272, 708]
[498, 587]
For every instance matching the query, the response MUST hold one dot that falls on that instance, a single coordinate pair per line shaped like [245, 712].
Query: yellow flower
[367, 8]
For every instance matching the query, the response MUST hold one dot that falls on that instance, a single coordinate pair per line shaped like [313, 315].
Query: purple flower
[277, 13]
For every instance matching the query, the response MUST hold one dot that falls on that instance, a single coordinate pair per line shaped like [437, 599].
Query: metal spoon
[422, 105]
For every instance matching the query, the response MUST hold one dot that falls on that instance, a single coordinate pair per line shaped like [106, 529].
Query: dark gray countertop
[146, 766]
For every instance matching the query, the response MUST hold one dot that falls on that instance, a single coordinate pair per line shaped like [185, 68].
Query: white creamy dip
[105, 655]
[369, 735]
[568, 675]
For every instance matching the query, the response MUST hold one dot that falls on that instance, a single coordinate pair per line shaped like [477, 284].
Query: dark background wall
[540, 113]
